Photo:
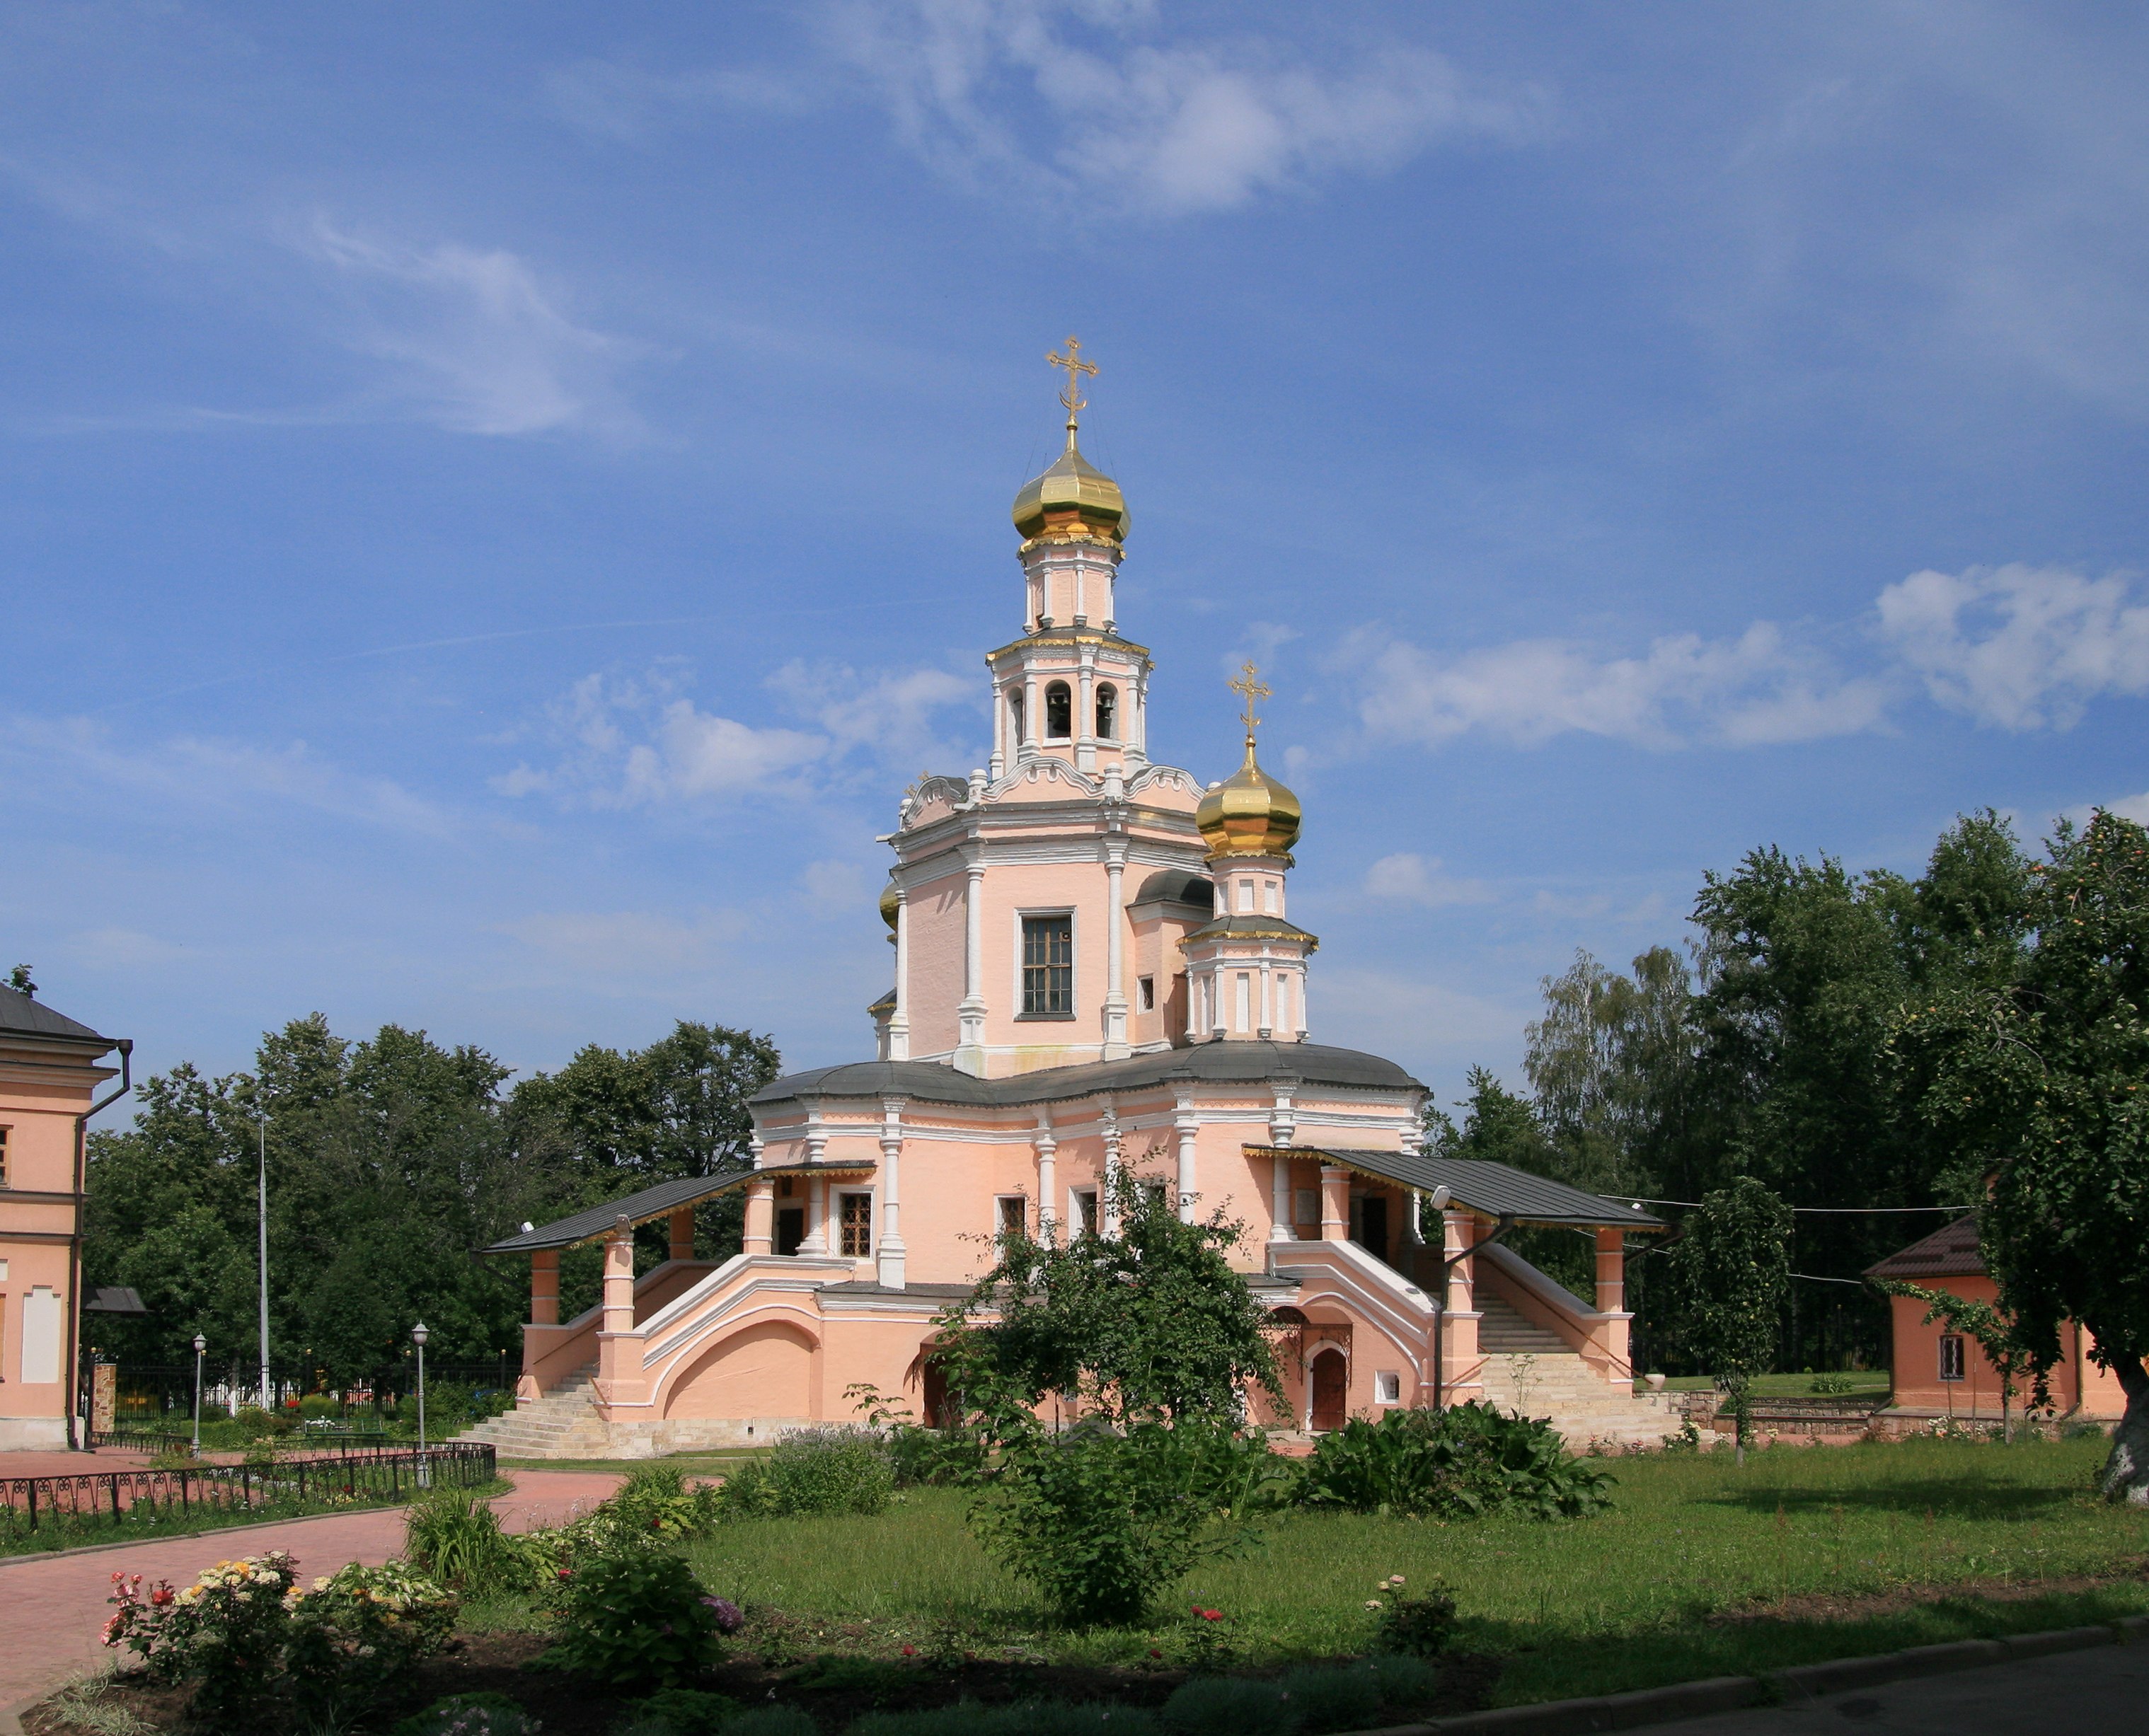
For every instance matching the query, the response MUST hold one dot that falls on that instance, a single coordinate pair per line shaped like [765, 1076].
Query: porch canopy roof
[594, 1223]
[1497, 1190]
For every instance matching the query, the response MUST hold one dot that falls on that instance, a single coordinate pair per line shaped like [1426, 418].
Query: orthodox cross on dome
[1076, 368]
[1255, 691]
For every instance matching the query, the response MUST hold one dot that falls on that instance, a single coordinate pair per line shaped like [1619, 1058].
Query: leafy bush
[317, 1405]
[1406, 1682]
[1345, 1696]
[934, 1456]
[1228, 1706]
[1027, 1718]
[1414, 1625]
[1460, 1462]
[655, 1498]
[1102, 1523]
[679, 1712]
[635, 1620]
[1827, 1384]
[471, 1715]
[825, 1470]
[455, 1536]
[356, 1635]
[772, 1721]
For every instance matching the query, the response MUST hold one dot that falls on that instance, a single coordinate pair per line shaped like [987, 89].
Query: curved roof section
[1181, 886]
[1250, 927]
[932, 1082]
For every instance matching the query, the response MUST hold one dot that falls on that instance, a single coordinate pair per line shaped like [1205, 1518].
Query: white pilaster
[1047, 1144]
[888, 1237]
[816, 1239]
[970, 1016]
[1187, 1126]
[1086, 726]
[1115, 967]
[1283, 1128]
[898, 1021]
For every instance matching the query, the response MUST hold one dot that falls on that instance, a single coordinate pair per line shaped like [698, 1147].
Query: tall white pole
[268, 1400]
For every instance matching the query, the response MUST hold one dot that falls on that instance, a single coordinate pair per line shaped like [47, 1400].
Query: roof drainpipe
[74, 1364]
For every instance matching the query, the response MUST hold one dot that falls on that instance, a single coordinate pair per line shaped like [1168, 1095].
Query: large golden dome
[1248, 814]
[1072, 490]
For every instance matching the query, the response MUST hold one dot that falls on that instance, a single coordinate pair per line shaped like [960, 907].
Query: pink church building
[1095, 971]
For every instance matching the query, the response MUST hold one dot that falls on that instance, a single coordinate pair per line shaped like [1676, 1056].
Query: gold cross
[1254, 691]
[1076, 368]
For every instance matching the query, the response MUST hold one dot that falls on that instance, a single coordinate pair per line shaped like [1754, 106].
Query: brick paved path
[53, 1607]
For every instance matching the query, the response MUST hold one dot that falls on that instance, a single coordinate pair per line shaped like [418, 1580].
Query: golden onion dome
[1074, 487]
[1248, 814]
[890, 902]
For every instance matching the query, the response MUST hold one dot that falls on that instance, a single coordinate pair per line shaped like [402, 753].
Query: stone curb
[1732, 1694]
[1681, 1699]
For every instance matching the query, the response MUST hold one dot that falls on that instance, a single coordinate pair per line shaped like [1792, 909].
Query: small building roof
[23, 1015]
[1498, 1190]
[651, 1202]
[1950, 1252]
[115, 1299]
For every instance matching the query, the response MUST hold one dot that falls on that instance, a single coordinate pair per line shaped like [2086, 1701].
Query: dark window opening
[1373, 1225]
[1951, 1355]
[1085, 1208]
[1059, 712]
[1014, 1214]
[858, 1226]
[1108, 713]
[1014, 711]
[1047, 964]
[1145, 991]
[790, 1228]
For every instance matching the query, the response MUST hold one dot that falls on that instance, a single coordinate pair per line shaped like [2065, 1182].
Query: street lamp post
[261, 1127]
[201, 1344]
[419, 1335]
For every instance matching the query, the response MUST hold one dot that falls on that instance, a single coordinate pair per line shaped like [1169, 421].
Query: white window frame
[1000, 1204]
[1387, 1386]
[1079, 1222]
[1145, 993]
[1073, 913]
[1955, 1341]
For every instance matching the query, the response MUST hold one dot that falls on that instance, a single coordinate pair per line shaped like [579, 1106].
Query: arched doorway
[1331, 1386]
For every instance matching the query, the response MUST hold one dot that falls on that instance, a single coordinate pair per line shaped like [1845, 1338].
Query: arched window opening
[1059, 712]
[1108, 713]
[1014, 713]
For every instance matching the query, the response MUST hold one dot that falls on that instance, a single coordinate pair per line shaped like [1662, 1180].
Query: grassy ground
[1705, 1569]
[146, 1521]
[1782, 1385]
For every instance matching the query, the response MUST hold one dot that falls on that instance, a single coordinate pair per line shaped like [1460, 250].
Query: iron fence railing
[374, 1475]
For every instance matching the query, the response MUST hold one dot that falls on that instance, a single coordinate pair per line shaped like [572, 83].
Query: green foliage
[1332, 1697]
[455, 1536]
[1405, 1681]
[655, 1499]
[2036, 1077]
[225, 1632]
[355, 1637]
[1103, 1524]
[1414, 1623]
[772, 1721]
[1462, 1462]
[939, 1454]
[485, 1714]
[1828, 1386]
[1025, 1718]
[1228, 1706]
[2013, 1352]
[635, 1620]
[1731, 1266]
[1150, 1322]
[680, 1712]
[827, 1470]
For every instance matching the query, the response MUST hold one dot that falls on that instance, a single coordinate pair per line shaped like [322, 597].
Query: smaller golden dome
[1248, 814]
[1073, 485]
[890, 902]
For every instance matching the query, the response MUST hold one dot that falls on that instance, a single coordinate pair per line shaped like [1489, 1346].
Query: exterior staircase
[561, 1425]
[1530, 1370]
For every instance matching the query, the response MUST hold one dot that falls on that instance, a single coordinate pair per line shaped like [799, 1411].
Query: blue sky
[496, 501]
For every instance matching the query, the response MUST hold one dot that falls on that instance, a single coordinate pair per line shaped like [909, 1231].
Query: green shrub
[1406, 1682]
[655, 1498]
[1228, 1706]
[679, 1712]
[1462, 1462]
[1345, 1696]
[355, 1635]
[455, 1536]
[831, 1470]
[772, 1721]
[1027, 1718]
[225, 1632]
[314, 1406]
[469, 1714]
[635, 1620]
[1825, 1384]
[1102, 1524]
[934, 1456]
[1414, 1625]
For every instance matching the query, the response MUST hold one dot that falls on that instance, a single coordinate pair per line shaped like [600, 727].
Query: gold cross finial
[1076, 368]
[1254, 691]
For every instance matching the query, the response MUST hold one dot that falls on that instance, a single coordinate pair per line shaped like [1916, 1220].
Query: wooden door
[1331, 1377]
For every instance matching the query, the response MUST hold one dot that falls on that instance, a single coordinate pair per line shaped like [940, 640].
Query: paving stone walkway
[53, 1609]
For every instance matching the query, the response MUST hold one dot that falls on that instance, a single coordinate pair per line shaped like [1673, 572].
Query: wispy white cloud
[1413, 880]
[196, 773]
[1758, 688]
[625, 740]
[2023, 647]
[477, 343]
[1080, 94]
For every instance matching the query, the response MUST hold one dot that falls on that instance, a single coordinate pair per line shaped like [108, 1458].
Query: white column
[970, 1038]
[1116, 965]
[1110, 1204]
[1268, 999]
[1048, 1178]
[1032, 722]
[898, 1021]
[1283, 1128]
[1086, 726]
[887, 1234]
[1137, 729]
[816, 1239]
[999, 729]
[1188, 1128]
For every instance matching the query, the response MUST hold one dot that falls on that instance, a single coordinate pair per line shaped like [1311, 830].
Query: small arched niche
[1108, 712]
[1059, 712]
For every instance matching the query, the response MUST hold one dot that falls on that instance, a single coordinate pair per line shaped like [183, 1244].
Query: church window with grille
[1108, 713]
[1048, 966]
[858, 1226]
[1059, 712]
[1951, 1368]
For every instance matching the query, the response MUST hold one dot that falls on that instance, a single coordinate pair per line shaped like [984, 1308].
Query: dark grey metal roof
[932, 1082]
[651, 1202]
[22, 1016]
[1497, 1190]
[1178, 886]
[115, 1299]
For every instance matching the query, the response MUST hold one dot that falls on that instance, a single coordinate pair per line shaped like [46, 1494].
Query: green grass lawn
[1628, 1599]
[1782, 1385]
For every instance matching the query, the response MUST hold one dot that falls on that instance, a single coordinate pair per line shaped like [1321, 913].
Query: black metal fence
[239, 1489]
